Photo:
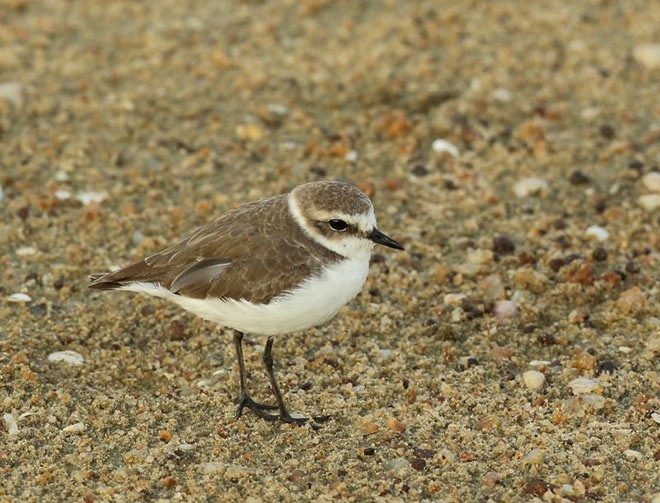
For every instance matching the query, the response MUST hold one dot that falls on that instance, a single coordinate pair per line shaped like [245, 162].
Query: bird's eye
[338, 225]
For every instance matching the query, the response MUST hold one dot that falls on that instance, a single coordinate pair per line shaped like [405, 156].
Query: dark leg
[245, 399]
[284, 413]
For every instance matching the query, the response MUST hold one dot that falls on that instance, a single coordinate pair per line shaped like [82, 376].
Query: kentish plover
[270, 267]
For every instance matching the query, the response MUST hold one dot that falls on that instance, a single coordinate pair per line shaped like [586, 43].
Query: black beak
[382, 239]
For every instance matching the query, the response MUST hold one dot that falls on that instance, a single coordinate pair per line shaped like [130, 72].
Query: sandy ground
[510, 354]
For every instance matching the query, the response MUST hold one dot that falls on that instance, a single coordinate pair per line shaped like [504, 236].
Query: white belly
[312, 303]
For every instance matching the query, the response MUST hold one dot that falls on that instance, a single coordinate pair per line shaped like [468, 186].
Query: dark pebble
[637, 166]
[369, 451]
[607, 367]
[147, 310]
[632, 268]
[600, 206]
[23, 212]
[503, 245]
[423, 453]
[607, 131]
[449, 184]
[58, 284]
[318, 171]
[471, 310]
[560, 224]
[599, 254]
[39, 309]
[374, 291]
[418, 464]
[556, 263]
[578, 178]
[420, 170]
[546, 339]
[177, 330]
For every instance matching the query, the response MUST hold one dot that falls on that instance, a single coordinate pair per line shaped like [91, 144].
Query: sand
[511, 353]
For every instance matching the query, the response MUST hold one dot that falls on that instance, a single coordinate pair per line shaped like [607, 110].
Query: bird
[269, 267]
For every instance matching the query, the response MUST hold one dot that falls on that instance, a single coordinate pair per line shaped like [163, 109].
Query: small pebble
[632, 454]
[649, 202]
[62, 194]
[656, 417]
[26, 251]
[67, 356]
[583, 385]
[536, 487]
[534, 379]
[12, 92]
[492, 287]
[607, 367]
[652, 181]
[647, 55]
[631, 300]
[443, 146]
[75, 428]
[10, 423]
[599, 254]
[534, 457]
[454, 299]
[61, 176]
[19, 298]
[418, 464]
[597, 233]
[351, 156]
[420, 170]
[249, 132]
[396, 464]
[592, 400]
[502, 95]
[632, 268]
[138, 237]
[479, 256]
[530, 186]
[394, 424]
[88, 197]
[607, 131]
[578, 178]
[503, 245]
[505, 309]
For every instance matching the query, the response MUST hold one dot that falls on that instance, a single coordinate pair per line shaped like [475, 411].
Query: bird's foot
[260, 410]
[256, 407]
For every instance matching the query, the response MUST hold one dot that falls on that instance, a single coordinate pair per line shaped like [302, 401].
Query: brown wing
[253, 252]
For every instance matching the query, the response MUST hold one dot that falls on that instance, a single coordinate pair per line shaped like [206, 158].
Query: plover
[269, 267]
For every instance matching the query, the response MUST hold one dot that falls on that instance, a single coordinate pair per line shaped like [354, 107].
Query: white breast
[315, 301]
